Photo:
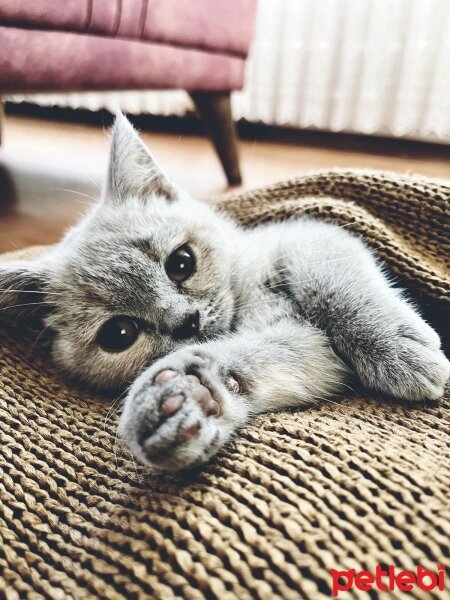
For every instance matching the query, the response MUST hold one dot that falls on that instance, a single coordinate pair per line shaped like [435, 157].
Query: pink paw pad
[187, 433]
[203, 396]
[164, 376]
[171, 404]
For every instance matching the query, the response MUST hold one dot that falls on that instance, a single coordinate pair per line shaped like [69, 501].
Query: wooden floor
[50, 171]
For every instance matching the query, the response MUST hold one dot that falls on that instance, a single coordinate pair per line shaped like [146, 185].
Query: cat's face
[148, 270]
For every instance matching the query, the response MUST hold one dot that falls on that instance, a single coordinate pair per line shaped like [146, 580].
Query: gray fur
[287, 310]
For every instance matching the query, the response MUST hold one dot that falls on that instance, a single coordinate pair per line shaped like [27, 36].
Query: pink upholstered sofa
[196, 45]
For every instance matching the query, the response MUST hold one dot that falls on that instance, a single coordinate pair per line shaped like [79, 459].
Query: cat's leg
[371, 326]
[186, 406]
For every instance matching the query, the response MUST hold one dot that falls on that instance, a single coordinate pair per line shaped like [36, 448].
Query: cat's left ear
[133, 171]
[23, 291]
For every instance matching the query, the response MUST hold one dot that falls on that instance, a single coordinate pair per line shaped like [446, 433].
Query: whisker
[6, 290]
[78, 194]
[27, 304]
[326, 400]
[116, 441]
[93, 180]
[110, 411]
[115, 407]
[138, 477]
[339, 383]
[44, 330]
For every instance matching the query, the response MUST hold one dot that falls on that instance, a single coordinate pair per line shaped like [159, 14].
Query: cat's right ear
[23, 291]
[133, 172]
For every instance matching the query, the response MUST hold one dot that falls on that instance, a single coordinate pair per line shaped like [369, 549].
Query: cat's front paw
[174, 416]
[412, 367]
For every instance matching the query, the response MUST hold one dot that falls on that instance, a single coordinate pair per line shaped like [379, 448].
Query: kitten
[211, 323]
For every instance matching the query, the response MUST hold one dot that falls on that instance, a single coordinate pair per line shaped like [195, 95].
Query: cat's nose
[189, 328]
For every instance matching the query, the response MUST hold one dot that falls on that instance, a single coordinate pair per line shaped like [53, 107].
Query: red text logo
[388, 579]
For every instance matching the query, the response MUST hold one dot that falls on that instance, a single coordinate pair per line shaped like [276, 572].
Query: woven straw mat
[352, 484]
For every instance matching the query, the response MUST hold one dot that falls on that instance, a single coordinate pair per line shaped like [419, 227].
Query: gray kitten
[212, 324]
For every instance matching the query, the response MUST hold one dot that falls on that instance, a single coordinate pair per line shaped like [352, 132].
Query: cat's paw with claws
[175, 414]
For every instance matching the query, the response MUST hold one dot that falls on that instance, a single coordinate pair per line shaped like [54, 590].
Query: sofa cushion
[215, 25]
[35, 60]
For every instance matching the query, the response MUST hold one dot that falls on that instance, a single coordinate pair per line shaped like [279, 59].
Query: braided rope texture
[344, 485]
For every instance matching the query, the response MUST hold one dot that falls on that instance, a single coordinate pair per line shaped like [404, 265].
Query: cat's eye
[181, 264]
[118, 334]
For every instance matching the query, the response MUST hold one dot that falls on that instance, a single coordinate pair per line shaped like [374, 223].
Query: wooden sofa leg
[2, 118]
[214, 108]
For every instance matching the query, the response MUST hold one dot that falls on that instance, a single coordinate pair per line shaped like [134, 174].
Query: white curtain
[377, 67]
